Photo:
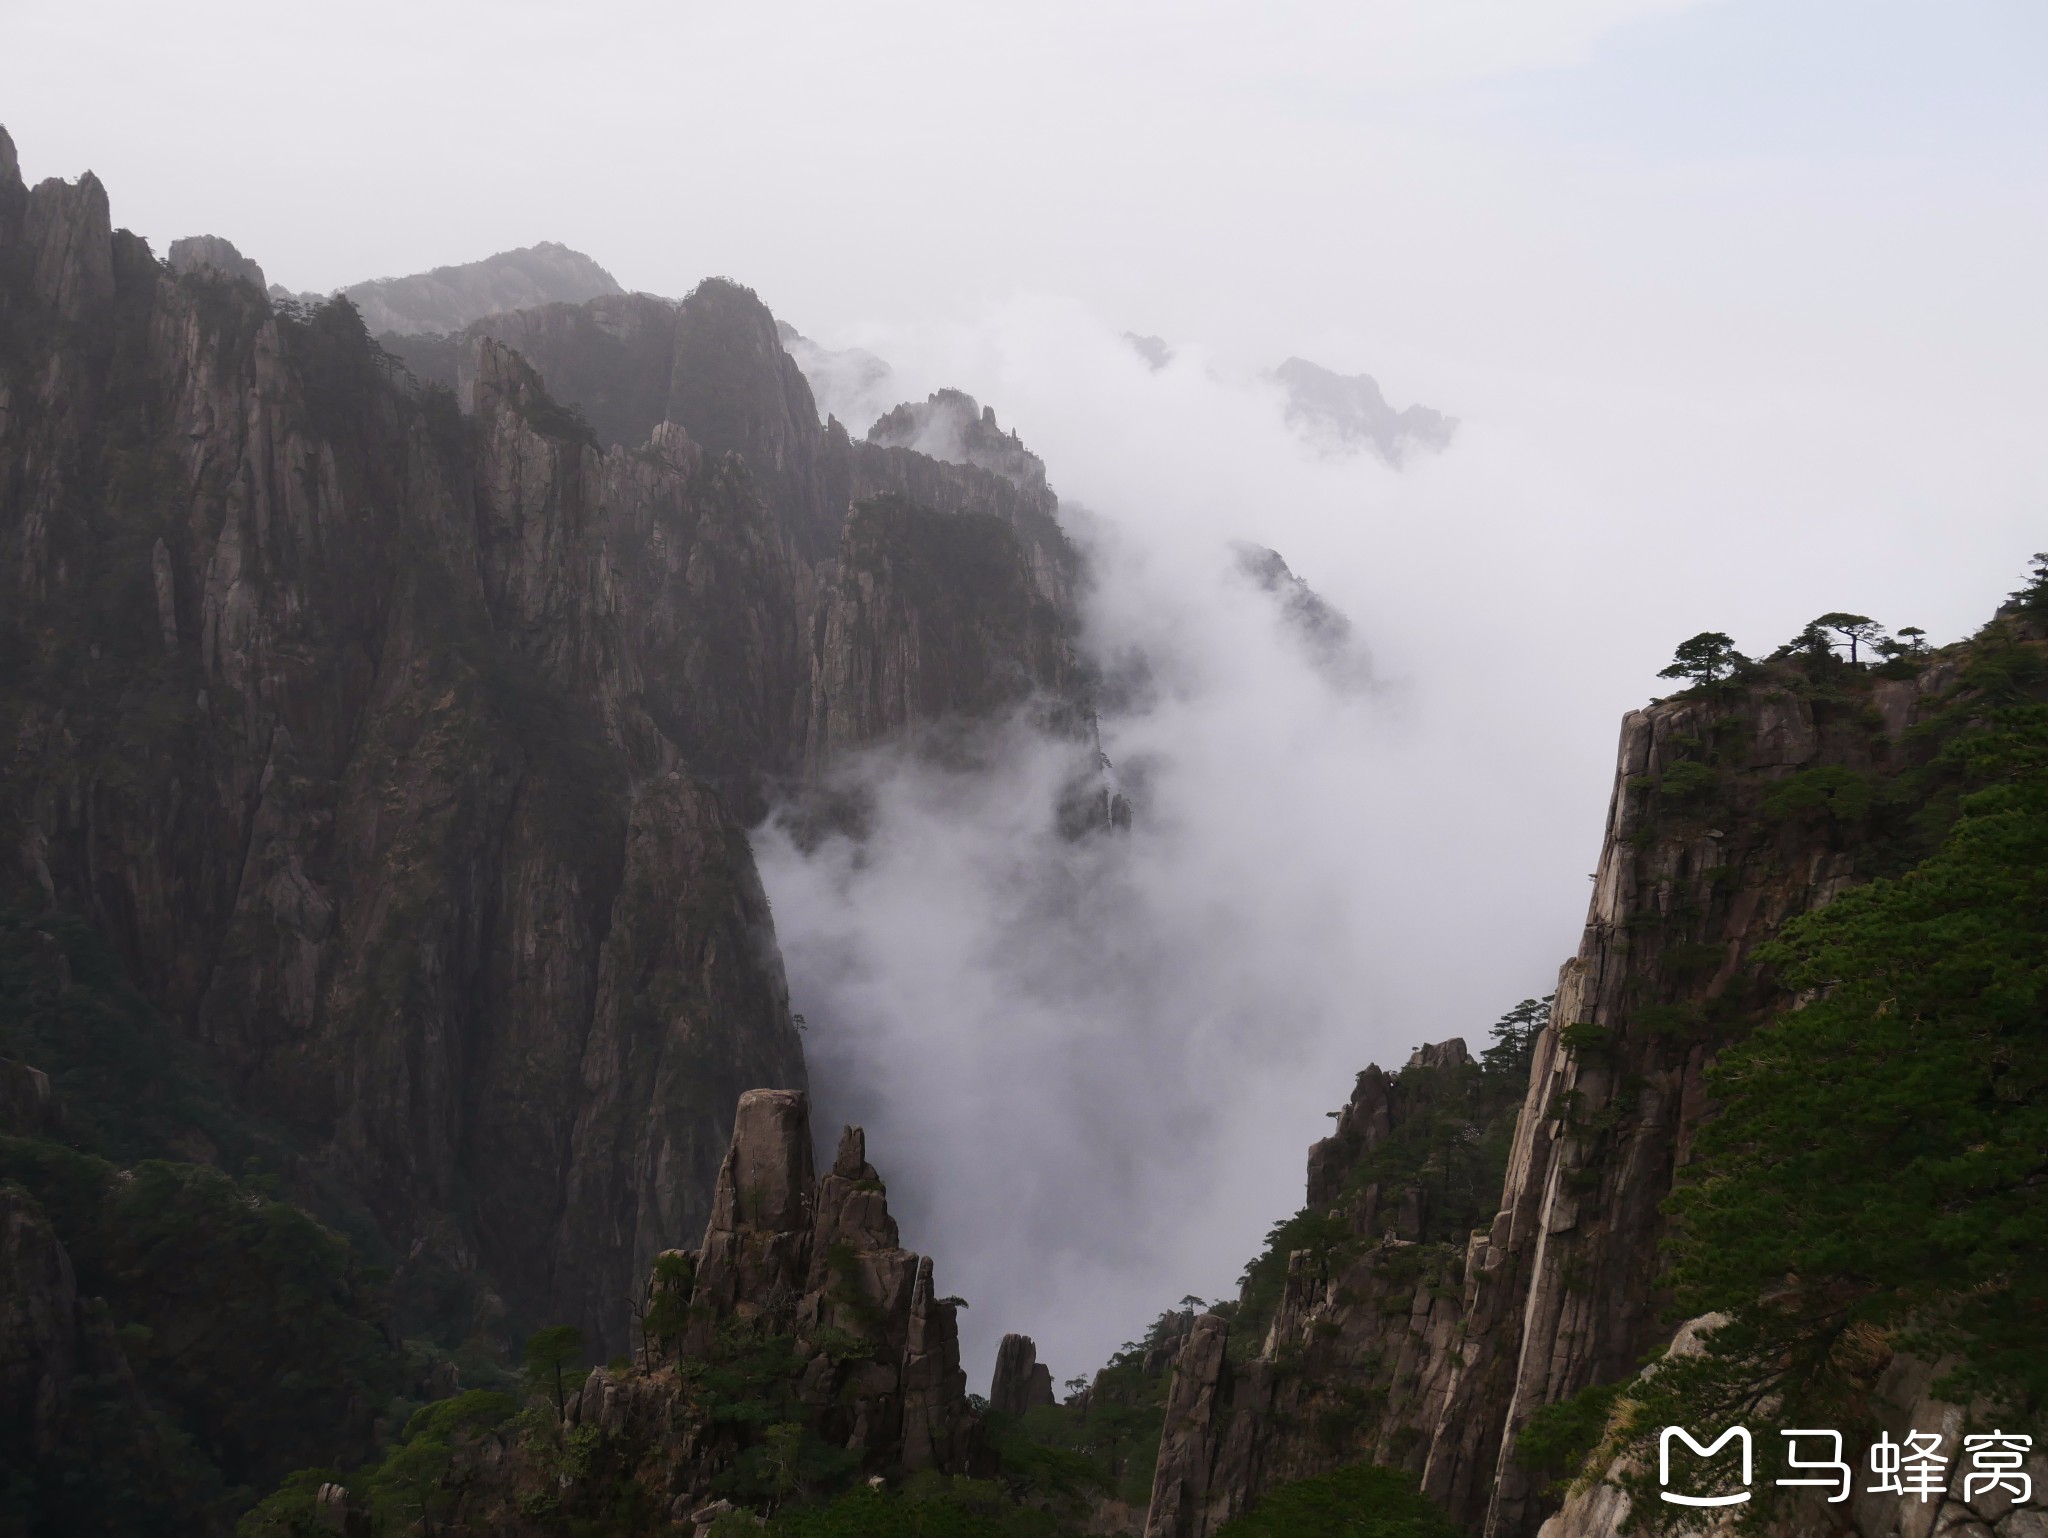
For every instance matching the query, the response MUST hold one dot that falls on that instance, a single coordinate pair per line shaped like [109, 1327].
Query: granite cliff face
[1393, 1345]
[915, 587]
[401, 752]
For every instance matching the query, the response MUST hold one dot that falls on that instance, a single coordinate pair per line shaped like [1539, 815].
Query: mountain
[1345, 414]
[1405, 1318]
[384, 762]
[385, 982]
[1451, 1334]
[449, 298]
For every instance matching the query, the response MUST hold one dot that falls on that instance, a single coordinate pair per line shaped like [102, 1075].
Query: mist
[1091, 1069]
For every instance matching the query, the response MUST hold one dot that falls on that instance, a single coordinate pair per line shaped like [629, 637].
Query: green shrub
[1832, 790]
[1557, 1438]
[927, 1507]
[1361, 1501]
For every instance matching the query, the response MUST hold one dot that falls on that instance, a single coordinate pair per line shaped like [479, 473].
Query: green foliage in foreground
[1357, 1502]
[1878, 1175]
[1104, 1443]
[254, 1332]
[409, 1486]
[928, 1506]
[1556, 1440]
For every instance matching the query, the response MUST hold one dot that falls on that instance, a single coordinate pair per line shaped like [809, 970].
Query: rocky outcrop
[1354, 1360]
[1433, 1356]
[28, 1106]
[214, 254]
[39, 1326]
[950, 425]
[799, 1303]
[1021, 1381]
[821, 1258]
[920, 588]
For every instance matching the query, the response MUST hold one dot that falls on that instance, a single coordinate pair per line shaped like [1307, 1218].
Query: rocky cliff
[401, 750]
[1736, 807]
[918, 584]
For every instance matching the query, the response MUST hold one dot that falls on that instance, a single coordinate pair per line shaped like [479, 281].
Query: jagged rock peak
[781, 1253]
[449, 298]
[1365, 1122]
[851, 1162]
[1021, 1380]
[950, 425]
[1343, 414]
[765, 1183]
[1320, 629]
[1442, 1054]
[68, 240]
[215, 254]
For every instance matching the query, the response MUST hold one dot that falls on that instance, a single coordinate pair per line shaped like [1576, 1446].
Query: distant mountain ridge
[1343, 413]
[449, 298]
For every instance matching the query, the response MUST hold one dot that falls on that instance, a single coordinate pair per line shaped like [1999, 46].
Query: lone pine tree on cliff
[1706, 659]
[1856, 629]
[549, 1354]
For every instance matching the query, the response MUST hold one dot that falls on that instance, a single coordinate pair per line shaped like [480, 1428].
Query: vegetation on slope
[1360, 1501]
[254, 1334]
[1875, 1180]
[1450, 1144]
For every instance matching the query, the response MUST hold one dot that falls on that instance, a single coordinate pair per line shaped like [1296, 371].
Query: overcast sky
[1740, 304]
[1794, 208]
